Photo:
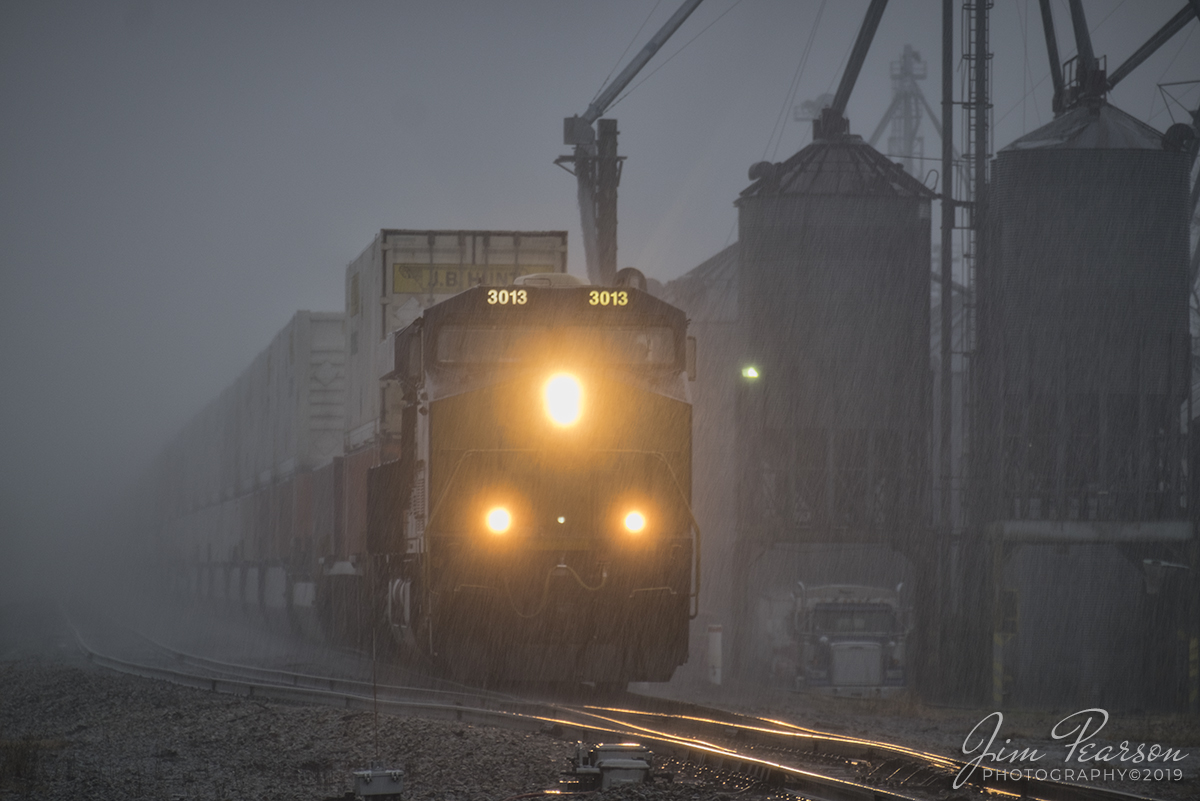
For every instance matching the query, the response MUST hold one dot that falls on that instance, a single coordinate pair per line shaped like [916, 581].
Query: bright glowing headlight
[635, 522]
[499, 520]
[564, 399]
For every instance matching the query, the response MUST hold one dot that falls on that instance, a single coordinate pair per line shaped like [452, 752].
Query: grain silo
[833, 402]
[834, 299]
[1083, 365]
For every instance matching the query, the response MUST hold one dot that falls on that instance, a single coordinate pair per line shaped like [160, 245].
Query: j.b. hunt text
[1077, 731]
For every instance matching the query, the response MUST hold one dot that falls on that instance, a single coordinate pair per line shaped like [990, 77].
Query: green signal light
[750, 372]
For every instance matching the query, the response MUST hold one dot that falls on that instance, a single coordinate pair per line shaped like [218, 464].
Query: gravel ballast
[70, 730]
[103, 736]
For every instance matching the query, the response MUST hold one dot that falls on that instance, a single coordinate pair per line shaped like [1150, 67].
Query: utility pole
[597, 167]
[981, 582]
[608, 178]
[946, 418]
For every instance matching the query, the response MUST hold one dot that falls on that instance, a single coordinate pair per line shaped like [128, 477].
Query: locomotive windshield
[475, 343]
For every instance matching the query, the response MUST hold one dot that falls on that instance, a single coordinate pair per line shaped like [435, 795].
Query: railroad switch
[378, 783]
[599, 767]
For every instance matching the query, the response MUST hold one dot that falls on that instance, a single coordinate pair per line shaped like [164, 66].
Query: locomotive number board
[595, 297]
[608, 297]
[507, 297]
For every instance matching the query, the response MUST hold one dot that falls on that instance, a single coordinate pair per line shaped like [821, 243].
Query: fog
[178, 179]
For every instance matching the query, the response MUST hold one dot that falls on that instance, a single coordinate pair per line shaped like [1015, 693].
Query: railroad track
[882, 762]
[803, 762]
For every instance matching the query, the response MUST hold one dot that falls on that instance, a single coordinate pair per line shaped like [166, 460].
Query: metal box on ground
[378, 783]
[603, 766]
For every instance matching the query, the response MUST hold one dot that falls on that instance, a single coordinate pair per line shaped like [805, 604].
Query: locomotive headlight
[499, 520]
[564, 399]
[635, 522]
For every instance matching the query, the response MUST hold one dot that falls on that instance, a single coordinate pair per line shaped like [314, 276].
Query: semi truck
[850, 640]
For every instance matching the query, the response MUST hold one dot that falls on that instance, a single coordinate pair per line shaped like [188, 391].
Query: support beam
[1083, 38]
[1056, 74]
[597, 166]
[858, 55]
[1173, 26]
[832, 121]
[597, 108]
[608, 177]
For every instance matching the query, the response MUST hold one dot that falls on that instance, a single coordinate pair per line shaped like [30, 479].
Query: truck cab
[850, 640]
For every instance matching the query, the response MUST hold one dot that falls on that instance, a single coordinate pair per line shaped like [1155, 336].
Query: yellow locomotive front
[549, 535]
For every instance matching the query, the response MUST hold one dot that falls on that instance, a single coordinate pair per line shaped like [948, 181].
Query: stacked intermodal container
[237, 484]
[401, 273]
[265, 490]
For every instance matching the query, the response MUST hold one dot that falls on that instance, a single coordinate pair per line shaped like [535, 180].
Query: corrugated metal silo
[1083, 362]
[834, 302]
[1083, 324]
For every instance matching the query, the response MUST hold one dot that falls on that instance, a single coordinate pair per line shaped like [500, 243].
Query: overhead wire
[1042, 80]
[841, 66]
[790, 98]
[1022, 100]
[666, 61]
[1162, 90]
[1168, 98]
[1025, 57]
[1182, 45]
[677, 52]
[1166, 106]
[1029, 66]
[1106, 16]
[624, 52]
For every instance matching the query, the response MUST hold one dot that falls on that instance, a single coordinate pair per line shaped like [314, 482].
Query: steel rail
[330, 683]
[768, 732]
[789, 737]
[595, 723]
[562, 722]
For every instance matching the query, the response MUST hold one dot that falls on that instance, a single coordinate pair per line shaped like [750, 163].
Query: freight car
[401, 470]
[245, 497]
[537, 524]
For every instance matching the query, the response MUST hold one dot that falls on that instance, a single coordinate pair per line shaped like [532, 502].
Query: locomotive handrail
[695, 594]
[541, 607]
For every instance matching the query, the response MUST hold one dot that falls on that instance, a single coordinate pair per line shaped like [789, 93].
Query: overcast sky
[179, 178]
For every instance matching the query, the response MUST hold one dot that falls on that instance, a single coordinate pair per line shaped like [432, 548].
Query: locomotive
[496, 479]
[537, 523]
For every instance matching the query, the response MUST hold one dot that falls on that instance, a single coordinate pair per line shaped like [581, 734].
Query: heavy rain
[380, 340]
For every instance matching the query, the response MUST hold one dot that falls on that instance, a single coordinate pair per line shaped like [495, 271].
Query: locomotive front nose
[563, 395]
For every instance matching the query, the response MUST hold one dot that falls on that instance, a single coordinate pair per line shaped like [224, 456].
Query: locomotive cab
[538, 525]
